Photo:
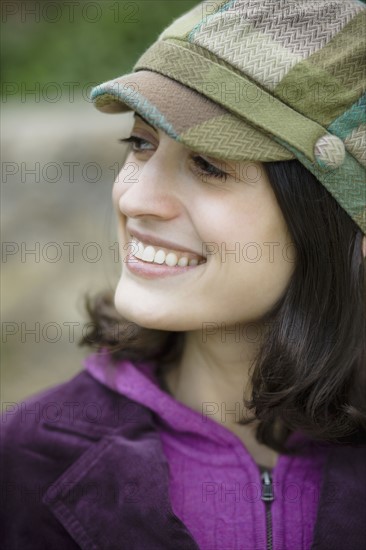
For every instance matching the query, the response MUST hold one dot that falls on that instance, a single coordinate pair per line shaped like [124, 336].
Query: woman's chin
[139, 312]
[152, 316]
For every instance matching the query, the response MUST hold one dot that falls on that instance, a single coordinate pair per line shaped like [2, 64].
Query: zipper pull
[267, 487]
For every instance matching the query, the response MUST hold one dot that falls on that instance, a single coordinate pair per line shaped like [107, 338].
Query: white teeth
[159, 257]
[149, 254]
[140, 251]
[182, 262]
[171, 259]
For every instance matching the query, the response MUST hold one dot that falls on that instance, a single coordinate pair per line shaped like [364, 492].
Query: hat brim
[187, 116]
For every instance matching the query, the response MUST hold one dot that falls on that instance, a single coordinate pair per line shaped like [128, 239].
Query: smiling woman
[174, 197]
[230, 359]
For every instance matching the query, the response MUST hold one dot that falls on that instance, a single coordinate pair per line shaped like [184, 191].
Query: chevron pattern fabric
[261, 80]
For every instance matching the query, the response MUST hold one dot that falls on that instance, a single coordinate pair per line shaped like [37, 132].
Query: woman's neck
[216, 392]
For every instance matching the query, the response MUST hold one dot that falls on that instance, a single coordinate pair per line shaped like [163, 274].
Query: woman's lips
[149, 270]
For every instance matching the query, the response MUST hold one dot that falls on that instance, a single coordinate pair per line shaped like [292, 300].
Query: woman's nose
[147, 189]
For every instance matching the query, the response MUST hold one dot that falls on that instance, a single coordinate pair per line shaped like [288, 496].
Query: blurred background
[59, 160]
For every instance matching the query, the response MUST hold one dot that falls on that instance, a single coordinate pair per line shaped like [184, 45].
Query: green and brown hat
[261, 80]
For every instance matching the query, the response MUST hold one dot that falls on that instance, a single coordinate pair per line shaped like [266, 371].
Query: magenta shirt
[215, 484]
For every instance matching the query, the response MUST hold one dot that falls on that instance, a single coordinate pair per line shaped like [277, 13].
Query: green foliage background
[43, 42]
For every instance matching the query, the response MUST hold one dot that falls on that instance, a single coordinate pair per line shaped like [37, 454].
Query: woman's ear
[364, 246]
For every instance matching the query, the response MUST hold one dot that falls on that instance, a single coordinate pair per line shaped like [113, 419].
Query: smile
[150, 254]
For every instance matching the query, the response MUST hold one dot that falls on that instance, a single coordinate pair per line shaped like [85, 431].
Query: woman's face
[168, 192]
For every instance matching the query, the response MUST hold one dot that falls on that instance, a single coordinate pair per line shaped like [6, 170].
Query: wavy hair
[310, 371]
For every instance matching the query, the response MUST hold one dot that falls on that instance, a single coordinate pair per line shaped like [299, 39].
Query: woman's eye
[208, 169]
[138, 144]
[201, 166]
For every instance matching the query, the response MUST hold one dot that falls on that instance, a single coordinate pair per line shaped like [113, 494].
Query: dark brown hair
[310, 371]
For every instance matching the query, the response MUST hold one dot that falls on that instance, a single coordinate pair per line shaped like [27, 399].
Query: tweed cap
[261, 80]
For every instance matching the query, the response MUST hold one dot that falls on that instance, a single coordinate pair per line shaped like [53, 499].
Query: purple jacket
[83, 467]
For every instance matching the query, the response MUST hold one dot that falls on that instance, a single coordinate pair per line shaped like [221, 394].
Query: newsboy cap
[260, 80]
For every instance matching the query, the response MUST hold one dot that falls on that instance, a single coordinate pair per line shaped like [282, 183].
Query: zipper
[268, 497]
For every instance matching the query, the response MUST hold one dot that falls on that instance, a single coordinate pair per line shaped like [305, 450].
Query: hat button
[329, 151]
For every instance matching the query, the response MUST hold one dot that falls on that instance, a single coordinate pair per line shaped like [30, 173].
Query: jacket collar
[116, 493]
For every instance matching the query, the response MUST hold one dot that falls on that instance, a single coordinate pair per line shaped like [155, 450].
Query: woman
[224, 407]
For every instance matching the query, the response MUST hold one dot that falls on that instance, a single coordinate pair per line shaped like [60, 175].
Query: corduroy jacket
[83, 467]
